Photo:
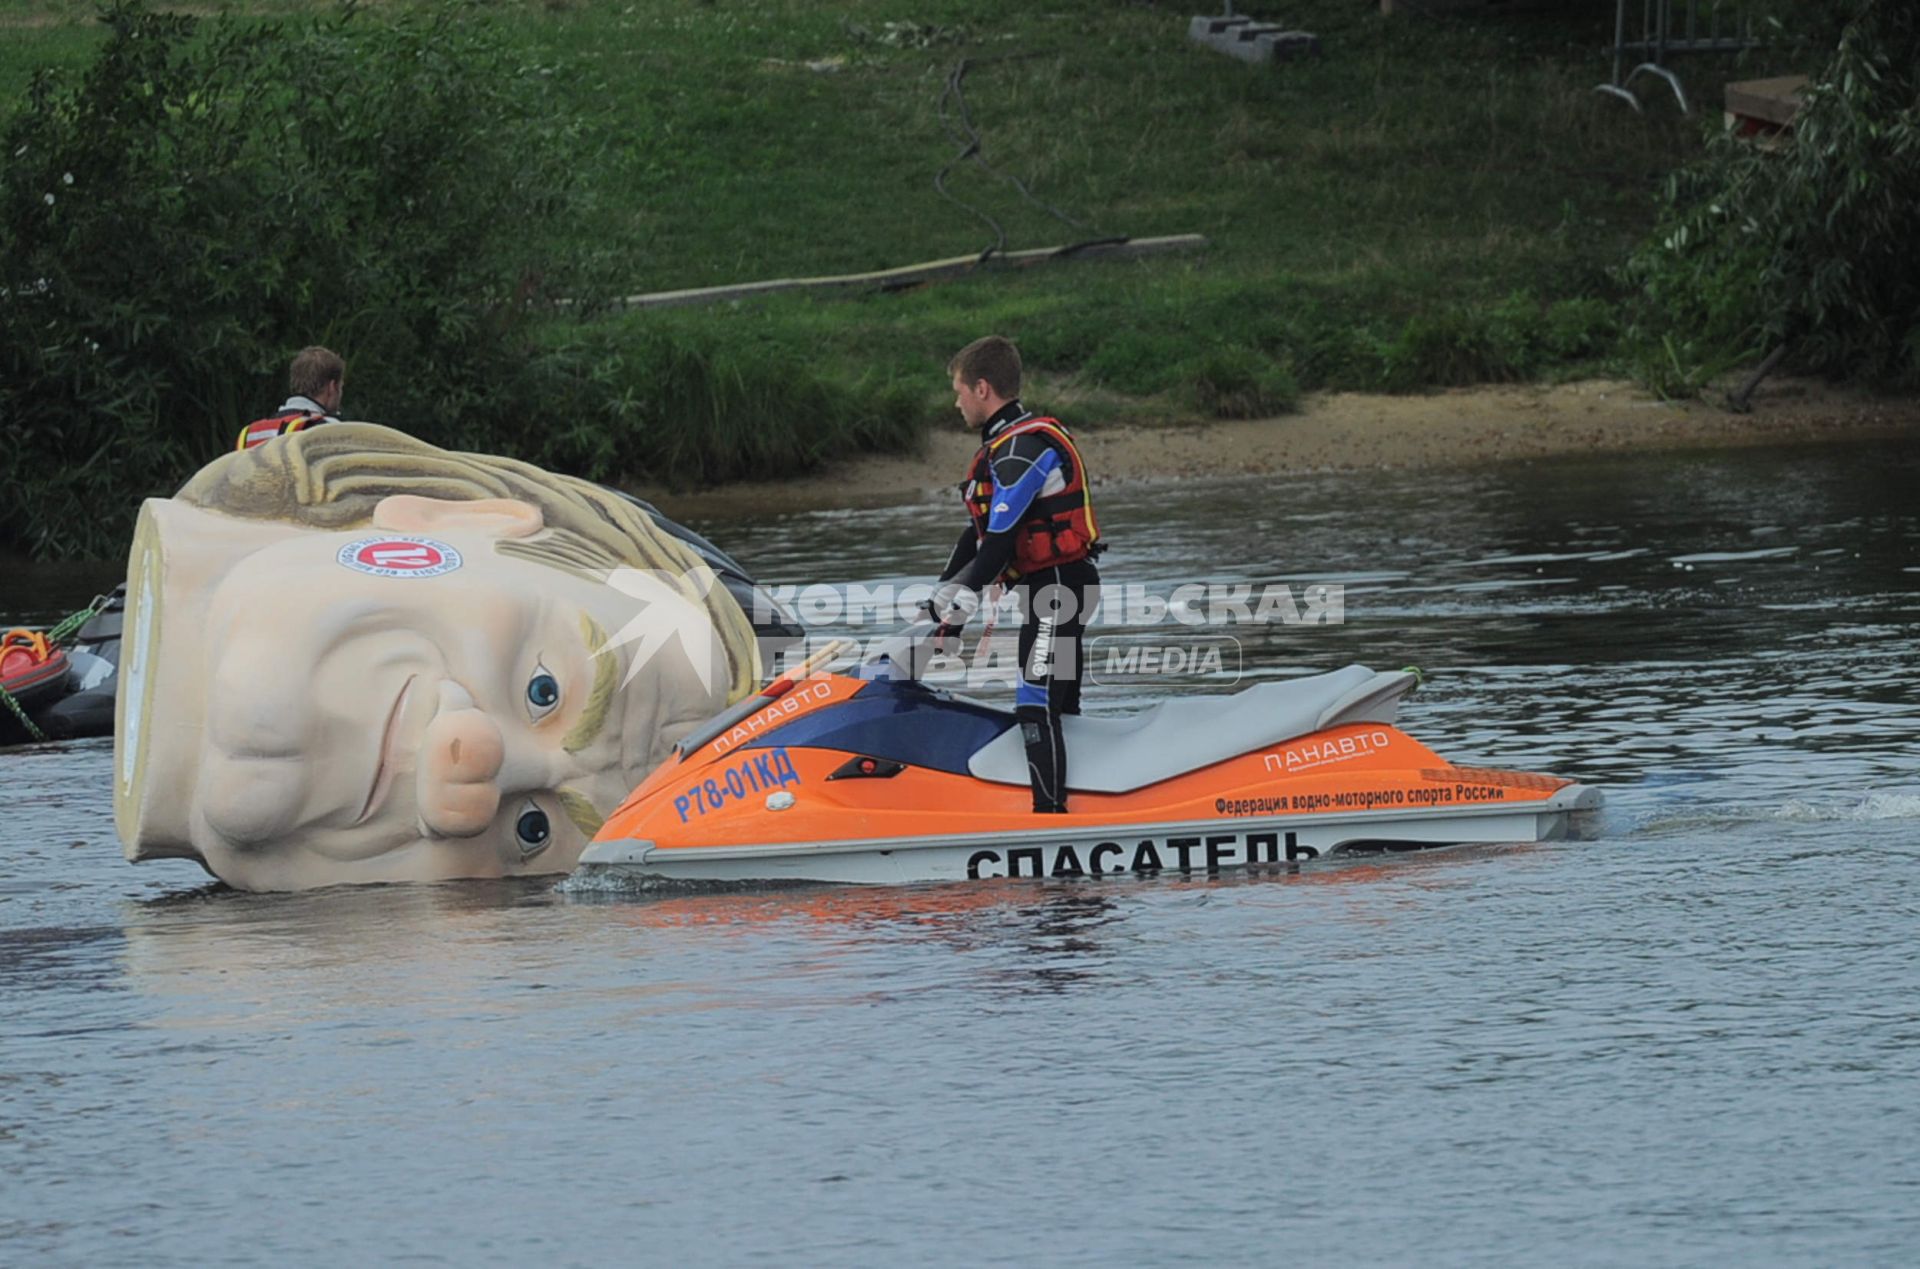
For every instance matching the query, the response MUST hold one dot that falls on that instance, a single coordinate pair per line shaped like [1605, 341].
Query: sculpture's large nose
[460, 759]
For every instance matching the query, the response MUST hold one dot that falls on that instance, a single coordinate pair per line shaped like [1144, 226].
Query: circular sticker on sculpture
[399, 557]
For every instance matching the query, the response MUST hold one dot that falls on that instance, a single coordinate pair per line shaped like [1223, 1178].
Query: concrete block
[1249, 44]
[1204, 29]
[1250, 41]
[1287, 45]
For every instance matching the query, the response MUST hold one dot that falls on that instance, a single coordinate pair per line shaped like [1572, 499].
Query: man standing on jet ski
[1031, 525]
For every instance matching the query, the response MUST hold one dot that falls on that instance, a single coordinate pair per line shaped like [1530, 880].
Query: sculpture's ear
[501, 517]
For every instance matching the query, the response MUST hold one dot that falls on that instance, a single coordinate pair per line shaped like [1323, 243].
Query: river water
[1693, 1039]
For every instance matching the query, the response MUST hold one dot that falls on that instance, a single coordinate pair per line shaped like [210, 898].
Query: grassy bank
[1430, 202]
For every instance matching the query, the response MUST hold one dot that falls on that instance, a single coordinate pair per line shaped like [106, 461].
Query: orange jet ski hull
[842, 779]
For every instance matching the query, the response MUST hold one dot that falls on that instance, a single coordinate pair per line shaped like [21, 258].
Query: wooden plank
[1774, 101]
[916, 274]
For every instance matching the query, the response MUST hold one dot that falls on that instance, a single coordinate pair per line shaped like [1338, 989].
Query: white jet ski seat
[1117, 755]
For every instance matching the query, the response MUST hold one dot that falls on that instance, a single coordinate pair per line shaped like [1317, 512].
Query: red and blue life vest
[1059, 528]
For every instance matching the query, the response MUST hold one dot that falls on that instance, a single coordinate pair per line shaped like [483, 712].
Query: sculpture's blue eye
[543, 693]
[532, 831]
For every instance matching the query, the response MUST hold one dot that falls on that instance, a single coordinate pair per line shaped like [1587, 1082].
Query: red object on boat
[30, 667]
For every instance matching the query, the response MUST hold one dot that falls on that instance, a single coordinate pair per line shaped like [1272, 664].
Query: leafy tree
[208, 196]
[1810, 250]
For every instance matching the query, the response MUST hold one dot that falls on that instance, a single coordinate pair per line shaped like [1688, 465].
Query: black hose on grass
[961, 127]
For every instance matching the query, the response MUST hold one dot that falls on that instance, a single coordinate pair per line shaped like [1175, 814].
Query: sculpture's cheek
[252, 802]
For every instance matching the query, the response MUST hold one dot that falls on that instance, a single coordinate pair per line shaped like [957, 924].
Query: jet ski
[876, 776]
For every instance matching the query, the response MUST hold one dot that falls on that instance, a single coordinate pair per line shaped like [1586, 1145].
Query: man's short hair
[313, 369]
[993, 358]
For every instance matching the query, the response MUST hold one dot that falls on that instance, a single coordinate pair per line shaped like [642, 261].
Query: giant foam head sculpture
[352, 657]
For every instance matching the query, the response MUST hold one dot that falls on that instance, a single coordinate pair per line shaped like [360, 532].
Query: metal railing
[1668, 27]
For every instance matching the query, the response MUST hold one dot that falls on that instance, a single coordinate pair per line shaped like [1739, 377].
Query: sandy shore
[1357, 430]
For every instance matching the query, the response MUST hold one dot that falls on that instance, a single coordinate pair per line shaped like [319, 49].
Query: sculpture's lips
[382, 767]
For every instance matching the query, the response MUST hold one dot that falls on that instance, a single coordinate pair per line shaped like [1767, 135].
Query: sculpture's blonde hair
[332, 477]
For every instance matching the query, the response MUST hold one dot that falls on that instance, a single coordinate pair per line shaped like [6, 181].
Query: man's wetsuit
[1026, 498]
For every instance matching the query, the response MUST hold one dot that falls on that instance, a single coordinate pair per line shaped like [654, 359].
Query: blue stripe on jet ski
[900, 721]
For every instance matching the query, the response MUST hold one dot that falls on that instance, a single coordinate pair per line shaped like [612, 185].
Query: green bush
[1232, 382]
[209, 196]
[1338, 354]
[1811, 248]
[1224, 379]
[1133, 361]
[1574, 330]
[689, 407]
[1453, 348]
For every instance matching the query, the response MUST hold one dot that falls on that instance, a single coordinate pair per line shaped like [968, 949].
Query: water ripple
[1687, 1041]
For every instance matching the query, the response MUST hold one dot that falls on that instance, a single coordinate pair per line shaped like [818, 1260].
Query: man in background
[315, 381]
